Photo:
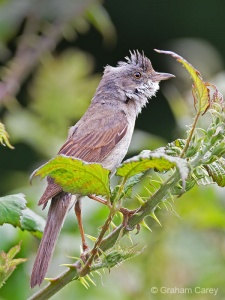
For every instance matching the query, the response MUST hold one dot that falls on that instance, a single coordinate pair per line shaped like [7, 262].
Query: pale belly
[116, 156]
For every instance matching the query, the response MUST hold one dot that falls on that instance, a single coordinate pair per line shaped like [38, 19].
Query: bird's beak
[161, 76]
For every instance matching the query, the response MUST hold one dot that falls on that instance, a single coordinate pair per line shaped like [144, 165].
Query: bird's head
[133, 80]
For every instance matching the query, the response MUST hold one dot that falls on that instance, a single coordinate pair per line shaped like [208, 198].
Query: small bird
[102, 136]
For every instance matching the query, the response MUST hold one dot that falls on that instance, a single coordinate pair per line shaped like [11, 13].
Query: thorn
[145, 225]
[51, 280]
[149, 192]
[140, 199]
[179, 186]
[129, 237]
[156, 181]
[160, 179]
[171, 196]
[84, 282]
[89, 278]
[71, 266]
[152, 214]
[73, 257]
[97, 272]
[114, 225]
[151, 184]
[118, 213]
[92, 238]
[164, 203]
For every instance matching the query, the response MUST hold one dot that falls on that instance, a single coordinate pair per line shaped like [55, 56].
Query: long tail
[59, 207]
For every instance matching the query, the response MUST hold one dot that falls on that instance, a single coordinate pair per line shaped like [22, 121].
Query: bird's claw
[126, 216]
[86, 253]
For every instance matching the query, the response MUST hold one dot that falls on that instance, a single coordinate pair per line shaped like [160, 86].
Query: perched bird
[102, 136]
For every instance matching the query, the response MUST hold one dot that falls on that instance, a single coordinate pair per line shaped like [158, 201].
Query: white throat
[143, 94]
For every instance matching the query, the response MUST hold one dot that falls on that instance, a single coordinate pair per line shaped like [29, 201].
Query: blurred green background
[52, 55]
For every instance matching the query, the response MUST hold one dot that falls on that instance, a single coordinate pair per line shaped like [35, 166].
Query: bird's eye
[137, 75]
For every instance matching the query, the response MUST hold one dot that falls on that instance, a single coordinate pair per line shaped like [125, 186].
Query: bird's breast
[116, 156]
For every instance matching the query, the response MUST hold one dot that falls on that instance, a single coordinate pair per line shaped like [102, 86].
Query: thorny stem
[190, 135]
[86, 269]
[75, 270]
[142, 212]
[125, 211]
[108, 242]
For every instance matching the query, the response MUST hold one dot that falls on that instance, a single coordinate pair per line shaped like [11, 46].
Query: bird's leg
[98, 199]
[77, 209]
[127, 213]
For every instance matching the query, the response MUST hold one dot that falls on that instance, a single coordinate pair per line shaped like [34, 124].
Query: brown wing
[95, 144]
[92, 140]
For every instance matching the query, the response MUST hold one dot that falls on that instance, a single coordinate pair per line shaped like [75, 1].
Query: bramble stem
[108, 242]
[190, 135]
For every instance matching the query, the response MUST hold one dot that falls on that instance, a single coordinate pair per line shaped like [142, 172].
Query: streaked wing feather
[92, 142]
[51, 190]
[97, 143]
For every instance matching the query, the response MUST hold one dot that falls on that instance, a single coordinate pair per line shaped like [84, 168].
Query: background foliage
[56, 85]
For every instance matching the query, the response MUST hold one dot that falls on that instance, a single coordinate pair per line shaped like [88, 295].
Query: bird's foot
[126, 217]
[86, 252]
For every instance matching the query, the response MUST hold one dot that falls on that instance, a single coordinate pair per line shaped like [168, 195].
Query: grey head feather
[119, 83]
[139, 60]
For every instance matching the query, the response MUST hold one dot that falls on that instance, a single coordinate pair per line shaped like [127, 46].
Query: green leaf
[32, 222]
[8, 264]
[175, 148]
[144, 161]
[116, 256]
[126, 192]
[13, 251]
[200, 88]
[130, 183]
[76, 176]
[4, 137]
[11, 209]
[217, 171]
[149, 160]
